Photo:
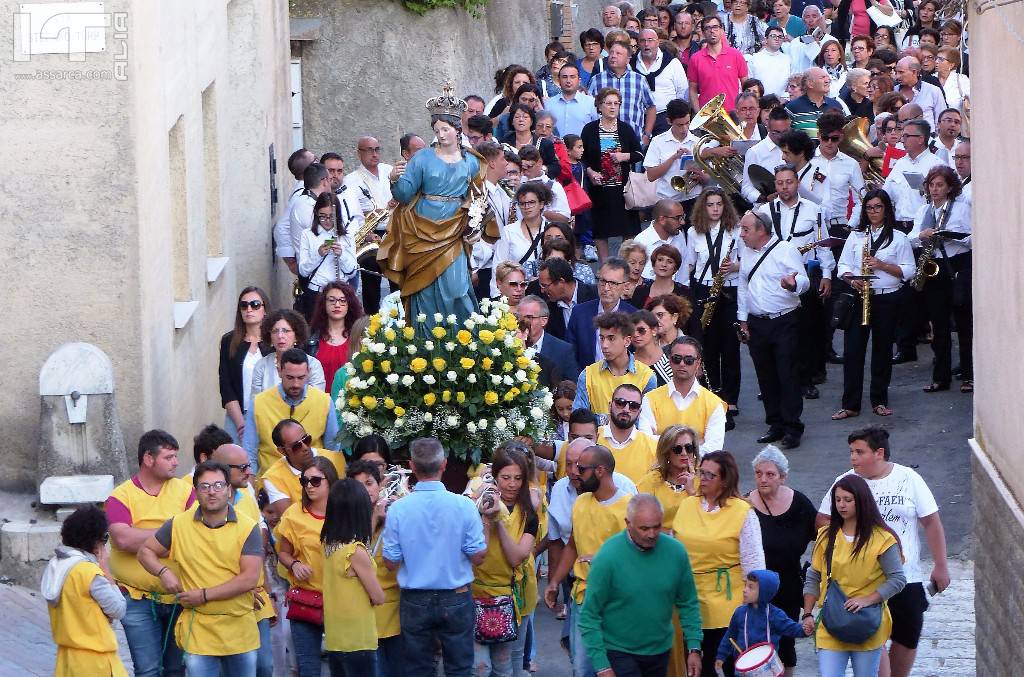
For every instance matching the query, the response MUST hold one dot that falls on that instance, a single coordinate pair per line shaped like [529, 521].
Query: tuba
[714, 123]
[855, 143]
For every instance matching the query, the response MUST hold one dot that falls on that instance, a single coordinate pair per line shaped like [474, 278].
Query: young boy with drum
[755, 629]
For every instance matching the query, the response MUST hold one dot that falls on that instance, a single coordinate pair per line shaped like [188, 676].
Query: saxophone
[865, 270]
[926, 266]
[716, 288]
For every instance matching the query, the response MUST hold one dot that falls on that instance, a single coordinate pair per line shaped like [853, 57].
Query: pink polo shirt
[718, 76]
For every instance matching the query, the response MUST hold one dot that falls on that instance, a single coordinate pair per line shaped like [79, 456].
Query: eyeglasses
[252, 305]
[584, 468]
[372, 149]
[325, 217]
[680, 217]
[874, 208]
[610, 283]
[281, 331]
[961, 157]
[312, 480]
[708, 475]
[214, 487]
[337, 301]
[301, 442]
[244, 467]
[623, 402]
[529, 203]
[680, 448]
[688, 360]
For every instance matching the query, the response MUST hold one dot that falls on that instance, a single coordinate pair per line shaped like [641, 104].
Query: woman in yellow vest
[723, 538]
[351, 588]
[508, 568]
[83, 599]
[866, 563]
[300, 553]
[389, 630]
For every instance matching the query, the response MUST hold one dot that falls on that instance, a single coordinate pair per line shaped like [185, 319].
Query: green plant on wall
[423, 6]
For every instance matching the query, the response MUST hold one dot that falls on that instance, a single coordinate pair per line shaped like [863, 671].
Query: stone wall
[375, 64]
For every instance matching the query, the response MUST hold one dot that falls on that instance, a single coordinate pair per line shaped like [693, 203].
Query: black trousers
[709, 649]
[371, 286]
[720, 343]
[635, 665]
[774, 348]
[813, 336]
[885, 309]
[949, 294]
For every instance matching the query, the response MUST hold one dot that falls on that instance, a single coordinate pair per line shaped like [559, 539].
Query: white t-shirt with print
[903, 498]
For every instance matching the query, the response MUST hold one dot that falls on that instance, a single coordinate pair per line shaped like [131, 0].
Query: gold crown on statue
[447, 104]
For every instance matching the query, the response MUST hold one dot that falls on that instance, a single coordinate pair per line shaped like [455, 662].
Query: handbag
[847, 626]
[843, 310]
[305, 605]
[640, 192]
[577, 198]
[495, 620]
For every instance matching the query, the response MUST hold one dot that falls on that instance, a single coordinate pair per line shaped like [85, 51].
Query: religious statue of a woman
[442, 212]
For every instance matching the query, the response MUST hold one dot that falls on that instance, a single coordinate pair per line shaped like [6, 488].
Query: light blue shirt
[582, 400]
[433, 533]
[572, 114]
[251, 438]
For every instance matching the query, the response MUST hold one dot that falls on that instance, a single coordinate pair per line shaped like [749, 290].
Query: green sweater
[630, 596]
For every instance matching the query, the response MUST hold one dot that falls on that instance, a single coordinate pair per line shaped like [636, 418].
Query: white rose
[471, 427]
[471, 378]
[350, 369]
[520, 375]
[429, 380]
[496, 379]
[482, 424]
[453, 421]
[408, 380]
[400, 324]
[520, 424]
[399, 421]
[428, 417]
[452, 319]
[449, 346]
[379, 348]
[508, 380]
[393, 350]
[371, 381]
[470, 324]
[421, 317]
[501, 423]
[495, 352]
[510, 340]
[411, 349]
[548, 400]
[392, 379]
[438, 318]
[472, 346]
[364, 431]
[452, 376]
[536, 412]
[428, 345]
[354, 384]
[529, 353]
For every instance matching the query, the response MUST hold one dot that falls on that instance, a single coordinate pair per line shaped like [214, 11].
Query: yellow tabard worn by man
[269, 409]
[696, 415]
[635, 457]
[245, 504]
[712, 540]
[601, 382]
[495, 576]
[285, 478]
[593, 523]
[86, 644]
[203, 557]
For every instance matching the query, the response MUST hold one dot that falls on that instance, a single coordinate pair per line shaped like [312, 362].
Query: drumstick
[736, 646]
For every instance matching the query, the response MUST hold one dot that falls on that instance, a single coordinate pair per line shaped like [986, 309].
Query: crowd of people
[838, 199]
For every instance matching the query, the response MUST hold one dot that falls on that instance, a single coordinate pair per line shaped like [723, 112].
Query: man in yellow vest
[633, 449]
[211, 559]
[295, 453]
[292, 398]
[684, 401]
[598, 514]
[135, 509]
[596, 382]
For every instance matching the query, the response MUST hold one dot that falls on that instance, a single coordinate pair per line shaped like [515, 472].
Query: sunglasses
[688, 360]
[253, 305]
[315, 480]
[679, 448]
[834, 138]
[301, 442]
[623, 402]
[707, 475]
[244, 467]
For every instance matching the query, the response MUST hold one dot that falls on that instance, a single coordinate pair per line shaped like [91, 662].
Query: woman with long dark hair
[515, 76]
[240, 351]
[926, 18]
[880, 250]
[327, 252]
[336, 310]
[351, 588]
[862, 555]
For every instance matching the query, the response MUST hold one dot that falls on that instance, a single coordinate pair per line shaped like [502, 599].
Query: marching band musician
[715, 233]
[891, 260]
[369, 185]
[798, 150]
[765, 153]
[501, 204]
[950, 288]
[908, 200]
[667, 155]
[797, 220]
[326, 250]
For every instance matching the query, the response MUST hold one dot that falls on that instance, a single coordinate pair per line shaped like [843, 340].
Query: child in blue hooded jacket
[753, 620]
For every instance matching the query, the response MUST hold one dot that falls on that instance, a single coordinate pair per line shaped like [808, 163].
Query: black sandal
[967, 386]
[935, 387]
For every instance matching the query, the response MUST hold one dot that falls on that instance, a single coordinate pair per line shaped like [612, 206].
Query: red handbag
[305, 605]
[577, 198]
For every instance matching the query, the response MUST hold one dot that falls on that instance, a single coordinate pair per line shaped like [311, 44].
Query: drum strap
[767, 625]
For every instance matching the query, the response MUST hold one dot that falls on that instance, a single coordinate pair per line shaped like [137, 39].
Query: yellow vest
[712, 540]
[653, 484]
[857, 577]
[269, 409]
[592, 525]
[248, 506]
[495, 576]
[86, 644]
[302, 529]
[636, 458]
[388, 624]
[349, 621]
[286, 481]
[696, 415]
[205, 558]
[601, 383]
[560, 472]
[148, 512]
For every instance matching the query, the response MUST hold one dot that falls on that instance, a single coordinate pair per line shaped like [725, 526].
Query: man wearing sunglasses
[281, 481]
[633, 449]
[684, 401]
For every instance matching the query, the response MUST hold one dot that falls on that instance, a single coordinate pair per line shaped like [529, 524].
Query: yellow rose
[446, 396]
[370, 402]
[430, 399]
[486, 336]
[408, 333]
[418, 365]
[390, 334]
[460, 397]
[389, 403]
[367, 366]
[353, 401]
[467, 363]
[385, 366]
[507, 367]
[491, 397]
[371, 331]
[438, 332]
[527, 387]
[464, 337]
[399, 411]
[394, 312]
[487, 363]
[499, 334]
[509, 396]
[515, 391]
[522, 362]
[439, 364]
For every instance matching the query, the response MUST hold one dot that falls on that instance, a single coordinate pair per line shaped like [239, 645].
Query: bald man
[371, 185]
[665, 76]
[924, 94]
[808, 108]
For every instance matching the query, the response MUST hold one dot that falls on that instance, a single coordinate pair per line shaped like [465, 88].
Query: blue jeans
[432, 616]
[389, 656]
[215, 666]
[833, 663]
[265, 654]
[149, 629]
[501, 660]
[307, 640]
[581, 665]
[352, 663]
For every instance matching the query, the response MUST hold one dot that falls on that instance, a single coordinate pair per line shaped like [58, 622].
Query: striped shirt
[636, 96]
[805, 113]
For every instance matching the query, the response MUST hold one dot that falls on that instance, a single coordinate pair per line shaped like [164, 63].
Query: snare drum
[760, 660]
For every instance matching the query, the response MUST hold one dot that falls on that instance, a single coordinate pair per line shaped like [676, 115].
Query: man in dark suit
[580, 330]
[533, 314]
[557, 285]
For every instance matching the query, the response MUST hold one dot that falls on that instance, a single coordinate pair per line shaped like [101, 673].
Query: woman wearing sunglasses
[723, 538]
[301, 556]
[240, 350]
[787, 526]
[646, 347]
